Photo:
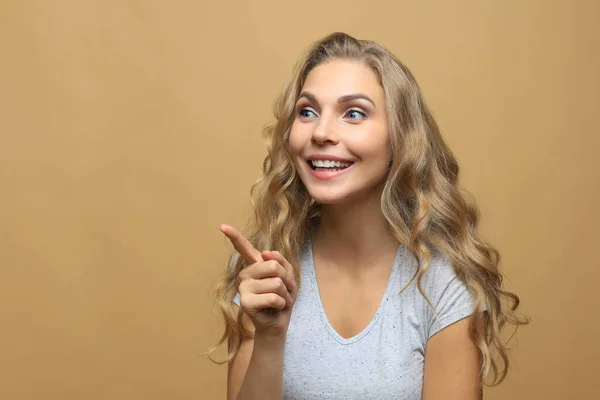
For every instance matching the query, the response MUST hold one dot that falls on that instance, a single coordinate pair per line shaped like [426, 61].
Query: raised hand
[267, 287]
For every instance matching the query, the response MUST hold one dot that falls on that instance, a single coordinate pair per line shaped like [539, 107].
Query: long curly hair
[422, 202]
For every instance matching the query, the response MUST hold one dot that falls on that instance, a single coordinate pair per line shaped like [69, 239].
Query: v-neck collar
[317, 297]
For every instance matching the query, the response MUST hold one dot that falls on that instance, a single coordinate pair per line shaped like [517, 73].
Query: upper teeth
[329, 164]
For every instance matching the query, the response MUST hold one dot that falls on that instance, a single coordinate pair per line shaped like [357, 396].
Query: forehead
[336, 78]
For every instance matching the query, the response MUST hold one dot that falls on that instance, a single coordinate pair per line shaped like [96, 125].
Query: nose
[325, 132]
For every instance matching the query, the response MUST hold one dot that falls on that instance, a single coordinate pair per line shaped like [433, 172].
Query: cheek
[295, 146]
[297, 143]
[294, 140]
[374, 149]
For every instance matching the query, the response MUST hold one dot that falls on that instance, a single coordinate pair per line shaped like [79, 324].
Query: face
[340, 137]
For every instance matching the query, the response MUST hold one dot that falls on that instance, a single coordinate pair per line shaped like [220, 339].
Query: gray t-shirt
[386, 359]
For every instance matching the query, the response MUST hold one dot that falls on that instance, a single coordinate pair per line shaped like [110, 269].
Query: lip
[327, 175]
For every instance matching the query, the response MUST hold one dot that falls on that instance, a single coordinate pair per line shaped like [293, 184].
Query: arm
[256, 372]
[452, 364]
[267, 291]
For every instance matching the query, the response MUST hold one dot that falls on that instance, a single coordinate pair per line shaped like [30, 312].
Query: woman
[359, 202]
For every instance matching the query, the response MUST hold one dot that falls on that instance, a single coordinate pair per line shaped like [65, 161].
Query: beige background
[131, 129]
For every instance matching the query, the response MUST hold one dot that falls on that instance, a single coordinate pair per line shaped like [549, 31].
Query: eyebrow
[341, 100]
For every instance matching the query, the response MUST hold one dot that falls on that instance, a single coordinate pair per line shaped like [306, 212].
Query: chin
[328, 198]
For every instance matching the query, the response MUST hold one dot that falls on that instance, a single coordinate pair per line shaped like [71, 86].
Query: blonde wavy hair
[422, 202]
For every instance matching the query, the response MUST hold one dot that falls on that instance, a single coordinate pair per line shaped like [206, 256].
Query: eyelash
[364, 114]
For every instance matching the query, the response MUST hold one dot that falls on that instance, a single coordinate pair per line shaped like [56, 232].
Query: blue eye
[356, 112]
[303, 110]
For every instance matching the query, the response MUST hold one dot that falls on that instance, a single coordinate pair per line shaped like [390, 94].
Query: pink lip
[326, 175]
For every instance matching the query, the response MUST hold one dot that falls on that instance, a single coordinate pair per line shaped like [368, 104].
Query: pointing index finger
[241, 244]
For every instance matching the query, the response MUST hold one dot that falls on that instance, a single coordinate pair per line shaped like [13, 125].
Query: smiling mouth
[317, 165]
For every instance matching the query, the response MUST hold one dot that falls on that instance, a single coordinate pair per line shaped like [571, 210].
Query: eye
[356, 113]
[302, 112]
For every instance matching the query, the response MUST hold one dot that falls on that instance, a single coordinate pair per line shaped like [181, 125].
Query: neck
[354, 235]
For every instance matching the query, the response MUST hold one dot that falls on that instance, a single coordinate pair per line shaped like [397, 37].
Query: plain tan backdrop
[131, 129]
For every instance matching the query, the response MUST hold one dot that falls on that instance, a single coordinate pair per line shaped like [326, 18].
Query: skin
[357, 249]
[356, 131]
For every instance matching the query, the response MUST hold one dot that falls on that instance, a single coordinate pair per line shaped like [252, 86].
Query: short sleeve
[234, 259]
[448, 294]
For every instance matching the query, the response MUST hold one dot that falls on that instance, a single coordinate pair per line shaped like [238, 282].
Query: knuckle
[272, 266]
[243, 300]
[242, 275]
[279, 283]
[273, 299]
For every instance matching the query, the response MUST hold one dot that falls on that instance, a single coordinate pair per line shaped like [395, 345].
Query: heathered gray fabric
[385, 360]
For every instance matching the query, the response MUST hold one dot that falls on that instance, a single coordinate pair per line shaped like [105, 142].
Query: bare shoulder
[237, 367]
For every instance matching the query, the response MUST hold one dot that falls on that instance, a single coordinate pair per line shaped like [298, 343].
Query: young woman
[401, 298]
